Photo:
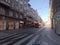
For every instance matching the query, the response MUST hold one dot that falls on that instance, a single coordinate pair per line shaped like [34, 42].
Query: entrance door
[16, 25]
[11, 25]
[4, 25]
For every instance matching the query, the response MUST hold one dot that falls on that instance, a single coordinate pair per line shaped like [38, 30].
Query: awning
[21, 22]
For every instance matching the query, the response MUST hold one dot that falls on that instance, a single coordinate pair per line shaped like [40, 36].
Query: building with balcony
[11, 13]
[16, 14]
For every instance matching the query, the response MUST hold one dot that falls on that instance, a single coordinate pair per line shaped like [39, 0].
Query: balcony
[29, 18]
[5, 2]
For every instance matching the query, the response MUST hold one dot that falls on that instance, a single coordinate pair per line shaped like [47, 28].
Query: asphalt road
[48, 37]
[30, 36]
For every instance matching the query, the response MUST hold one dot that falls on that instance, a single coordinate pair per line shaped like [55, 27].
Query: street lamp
[24, 14]
[24, 19]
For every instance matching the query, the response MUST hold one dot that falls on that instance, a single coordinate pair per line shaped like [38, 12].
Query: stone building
[11, 13]
[15, 14]
[55, 14]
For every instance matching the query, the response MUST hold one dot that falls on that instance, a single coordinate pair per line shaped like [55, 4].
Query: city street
[29, 22]
[31, 36]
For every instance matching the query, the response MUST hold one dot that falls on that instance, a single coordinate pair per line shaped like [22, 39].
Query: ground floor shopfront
[9, 23]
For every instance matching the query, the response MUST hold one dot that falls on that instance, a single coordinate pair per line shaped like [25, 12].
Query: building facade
[11, 13]
[55, 15]
[16, 14]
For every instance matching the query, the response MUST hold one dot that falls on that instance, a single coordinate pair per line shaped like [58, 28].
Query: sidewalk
[6, 33]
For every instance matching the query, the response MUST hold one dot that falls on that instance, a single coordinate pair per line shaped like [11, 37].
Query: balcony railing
[5, 2]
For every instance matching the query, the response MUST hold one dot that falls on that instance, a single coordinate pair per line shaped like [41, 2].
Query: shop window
[16, 25]
[4, 25]
[17, 5]
[11, 25]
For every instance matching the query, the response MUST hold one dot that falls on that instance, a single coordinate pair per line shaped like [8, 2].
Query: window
[21, 2]
[21, 6]
[17, 0]
[2, 11]
[21, 16]
[13, 5]
[16, 15]
[10, 13]
[17, 7]
[7, 1]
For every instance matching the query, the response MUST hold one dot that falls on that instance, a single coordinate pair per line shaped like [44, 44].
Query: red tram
[37, 24]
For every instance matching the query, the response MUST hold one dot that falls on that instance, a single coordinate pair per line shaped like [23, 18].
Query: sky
[42, 7]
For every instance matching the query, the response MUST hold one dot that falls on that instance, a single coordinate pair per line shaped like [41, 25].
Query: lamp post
[24, 19]
[24, 14]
